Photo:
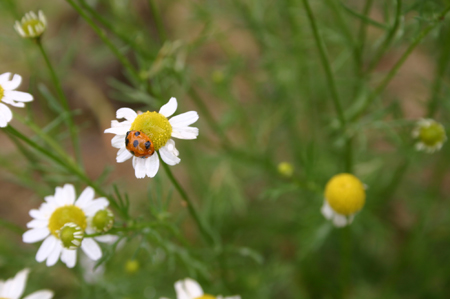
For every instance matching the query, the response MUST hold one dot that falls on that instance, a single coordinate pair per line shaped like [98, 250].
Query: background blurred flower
[430, 135]
[9, 96]
[13, 288]
[31, 25]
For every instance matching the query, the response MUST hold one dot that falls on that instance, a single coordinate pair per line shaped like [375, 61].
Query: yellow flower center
[34, 24]
[432, 134]
[206, 296]
[345, 194]
[64, 215]
[2, 93]
[155, 125]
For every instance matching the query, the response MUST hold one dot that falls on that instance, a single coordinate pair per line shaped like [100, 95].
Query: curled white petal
[169, 108]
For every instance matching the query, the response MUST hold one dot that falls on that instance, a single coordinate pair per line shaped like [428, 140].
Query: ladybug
[138, 144]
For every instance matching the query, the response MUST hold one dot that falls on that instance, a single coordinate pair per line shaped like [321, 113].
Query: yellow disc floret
[2, 93]
[64, 215]
[155, 125]
[206, 296]
[35, 26]
[345, 194]
[432, 134]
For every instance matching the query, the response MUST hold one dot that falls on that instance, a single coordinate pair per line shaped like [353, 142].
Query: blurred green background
[255, 66]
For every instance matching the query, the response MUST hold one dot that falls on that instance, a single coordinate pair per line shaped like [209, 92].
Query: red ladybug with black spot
[139, 144]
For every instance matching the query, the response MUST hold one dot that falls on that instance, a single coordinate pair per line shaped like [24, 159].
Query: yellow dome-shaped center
[65, 215]
[206, 296]
[432, 134]
[345, 194]
[155, 125]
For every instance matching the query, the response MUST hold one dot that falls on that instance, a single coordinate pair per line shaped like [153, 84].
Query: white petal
[69, 257]
[70, 195]
[13, 288]
[91, 248]
[169, 108]
[42, 294]
[119, 129]
[5, 115]
[339, 220]
[13, 103]
[168, 156]
[126, 113]
[54, 255]
[326, 210]
[36, 214]
[18, 96]
[95, 206]
[188, 289]
[109, 239]
[139, 167]
[85, 198]
[118, 141]
[184, 119]
[46, 248]
[35, 235]
[152, 165]
[12, 84]
[37, 223]
[185, 132]
[123, 155]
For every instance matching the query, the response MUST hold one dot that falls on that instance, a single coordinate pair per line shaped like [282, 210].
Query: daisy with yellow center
[13, 288]
[62, 222]
[159, 129]
[31, 25]
[430, 135]
[345, 195]
[190, 289]
[8, 95]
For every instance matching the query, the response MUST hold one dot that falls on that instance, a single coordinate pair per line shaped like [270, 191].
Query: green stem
[65, 104]
[362, 37]
[71, 167]
[128, 66]
[326, 65]
[364, 17]
[380, 88]
[345, 260]
[198, 221]
[389, 37]
[157, 18]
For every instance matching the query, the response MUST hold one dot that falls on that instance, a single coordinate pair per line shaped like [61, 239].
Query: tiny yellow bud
[285, 169]
[345, 194]
[132, 266]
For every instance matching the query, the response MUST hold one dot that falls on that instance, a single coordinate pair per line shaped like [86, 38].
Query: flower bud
[71, 235]
[103, 221]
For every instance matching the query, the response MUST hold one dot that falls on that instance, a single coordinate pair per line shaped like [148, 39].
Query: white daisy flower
[190, 289]
[31, 25]
[152, 132]
[13, 288]
[430, 134]
[9, 95]
[61, 221]
[345, 195]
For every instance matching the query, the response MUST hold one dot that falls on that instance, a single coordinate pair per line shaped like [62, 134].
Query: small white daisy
[190, 289]
[31, 25]
[61, 221]
[159, 129]
[13, 288]
[9, 95]
[430, 135]
[345, 195]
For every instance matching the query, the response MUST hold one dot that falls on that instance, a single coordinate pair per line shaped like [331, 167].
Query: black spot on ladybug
[147, 144]
[137, 133]
[126, 141]
[127, 133]
[135, 143]
[132, 153]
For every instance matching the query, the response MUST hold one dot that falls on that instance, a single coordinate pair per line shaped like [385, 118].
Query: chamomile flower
[345, 195]
[31, 25]
[142, 136]
[8, 95]
[190, 289]
[13, 288]
[430, 135]
[62, 222]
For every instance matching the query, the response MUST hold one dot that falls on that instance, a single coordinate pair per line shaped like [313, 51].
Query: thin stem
[362, 36]
[326, 64]
[65, 104]
[345, 260]
[128, 66]
[206, 234]
[157, 18]
[380, 88]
